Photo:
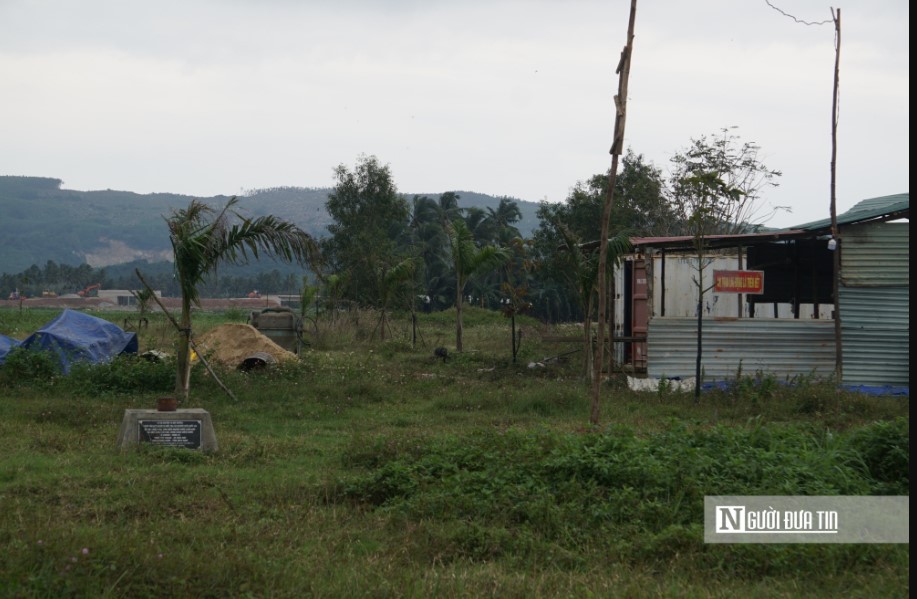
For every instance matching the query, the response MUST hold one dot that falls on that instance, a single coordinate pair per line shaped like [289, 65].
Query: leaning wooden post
[617, 147]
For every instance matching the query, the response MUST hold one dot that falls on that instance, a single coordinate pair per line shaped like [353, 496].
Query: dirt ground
[231, 344]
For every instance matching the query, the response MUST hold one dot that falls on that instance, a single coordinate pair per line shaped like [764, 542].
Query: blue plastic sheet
[878, 390]
[7, 344]
[78, 337]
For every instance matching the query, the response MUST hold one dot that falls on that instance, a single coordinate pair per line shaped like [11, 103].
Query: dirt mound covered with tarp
[240, 345]
[74, 336]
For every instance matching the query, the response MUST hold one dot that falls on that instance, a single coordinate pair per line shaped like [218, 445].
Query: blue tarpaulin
[865, 389]
[77, 337]
[7, 344]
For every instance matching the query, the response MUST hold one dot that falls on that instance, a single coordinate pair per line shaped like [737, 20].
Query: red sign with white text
[738, 281]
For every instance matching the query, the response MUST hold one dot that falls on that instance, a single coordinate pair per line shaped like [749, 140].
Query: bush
[566, 490]
[882, 452]
[27, 366]
[124, 374]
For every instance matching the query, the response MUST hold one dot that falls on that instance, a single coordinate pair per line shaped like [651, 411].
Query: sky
[504, 97]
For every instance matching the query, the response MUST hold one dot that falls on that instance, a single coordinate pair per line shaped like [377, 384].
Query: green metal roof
[897, 206]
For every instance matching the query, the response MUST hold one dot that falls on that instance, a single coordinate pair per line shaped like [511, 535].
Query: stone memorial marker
[189, 428]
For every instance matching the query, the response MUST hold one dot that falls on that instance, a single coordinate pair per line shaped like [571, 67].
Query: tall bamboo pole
[617, 147]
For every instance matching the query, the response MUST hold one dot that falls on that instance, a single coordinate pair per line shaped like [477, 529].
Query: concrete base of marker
[190, 428]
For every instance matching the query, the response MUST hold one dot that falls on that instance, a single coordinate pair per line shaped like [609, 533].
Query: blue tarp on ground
[77, 337]
[6, 346]
[865, 389]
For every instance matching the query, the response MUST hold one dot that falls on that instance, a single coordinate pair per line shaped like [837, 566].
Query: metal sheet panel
[639, 313]
[866, 210]
[875, 255]
[881, 308]
[681, 290]
[875, 329]
[618, 348]
[782, 347]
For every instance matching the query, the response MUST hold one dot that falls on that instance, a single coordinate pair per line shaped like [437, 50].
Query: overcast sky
[505, 97]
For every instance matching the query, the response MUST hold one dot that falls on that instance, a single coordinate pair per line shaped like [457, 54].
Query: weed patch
[370, 468]
[569, 491]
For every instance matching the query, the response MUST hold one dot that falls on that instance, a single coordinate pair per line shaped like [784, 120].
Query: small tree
[710, 198]
[514, 303]
[716, 185]
[468, 260]
[333, 290]
[144, 297]
[369, 218]
[515, 286]
[722, 178]
[20, 295]
[202, 238]
[396, 282]
[582, 273]
[307, 297]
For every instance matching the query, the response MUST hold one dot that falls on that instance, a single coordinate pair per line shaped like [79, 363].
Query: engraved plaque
[171, 433]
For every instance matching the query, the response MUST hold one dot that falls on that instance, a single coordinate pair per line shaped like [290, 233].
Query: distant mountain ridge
[41, 221]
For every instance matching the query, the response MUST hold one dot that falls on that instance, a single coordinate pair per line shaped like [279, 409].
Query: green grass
[371, 469]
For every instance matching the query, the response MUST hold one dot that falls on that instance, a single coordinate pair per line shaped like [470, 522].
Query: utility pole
[835, 284]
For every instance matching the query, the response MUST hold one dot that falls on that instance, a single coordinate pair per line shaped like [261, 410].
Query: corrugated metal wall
[875, 304]
[875, 255]
[782, 347]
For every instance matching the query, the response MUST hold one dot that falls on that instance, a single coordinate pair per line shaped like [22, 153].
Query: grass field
[370, 468]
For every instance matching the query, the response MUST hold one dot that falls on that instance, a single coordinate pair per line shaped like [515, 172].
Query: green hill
[41, 221]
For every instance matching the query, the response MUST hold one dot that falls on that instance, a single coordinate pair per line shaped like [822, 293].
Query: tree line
[391, 252]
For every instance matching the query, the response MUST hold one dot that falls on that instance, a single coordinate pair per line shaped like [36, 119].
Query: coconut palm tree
[468, 259]
[503, 219]
[429, 241]
[447, 209]
[582, 272]
[395, 281]
[202, 238]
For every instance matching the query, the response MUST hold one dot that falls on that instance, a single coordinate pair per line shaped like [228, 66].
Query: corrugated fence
[786, 348]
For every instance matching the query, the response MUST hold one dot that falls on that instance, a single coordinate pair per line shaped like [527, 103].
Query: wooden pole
[617, 147]
[835, 285]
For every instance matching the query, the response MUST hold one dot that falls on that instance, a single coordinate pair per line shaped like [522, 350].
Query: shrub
[28, 366]
[124, 373]
[882, 452]
[567, 490]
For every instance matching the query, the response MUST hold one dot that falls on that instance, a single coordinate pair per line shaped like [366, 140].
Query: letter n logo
[730, 518]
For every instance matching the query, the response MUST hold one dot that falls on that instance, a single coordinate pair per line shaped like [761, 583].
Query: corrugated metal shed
[875, 330]
[874, 302]
[876, 255]
[768, 345]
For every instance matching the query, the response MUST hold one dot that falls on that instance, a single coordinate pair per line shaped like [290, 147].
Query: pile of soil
[231, 344]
